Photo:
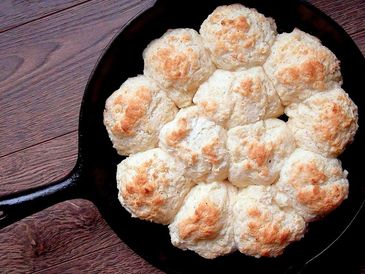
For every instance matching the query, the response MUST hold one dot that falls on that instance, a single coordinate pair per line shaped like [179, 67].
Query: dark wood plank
[70, 237]
[20, 12]
[349, 14]
[38, 165]
[359, 38]
[112, 259]
[45, 64]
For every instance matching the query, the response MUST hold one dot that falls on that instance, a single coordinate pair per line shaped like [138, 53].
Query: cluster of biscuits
[207, 154]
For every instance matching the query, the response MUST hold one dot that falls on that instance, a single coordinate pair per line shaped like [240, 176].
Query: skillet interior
[123, 59]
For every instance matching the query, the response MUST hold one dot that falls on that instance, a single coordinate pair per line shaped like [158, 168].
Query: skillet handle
[17, 206]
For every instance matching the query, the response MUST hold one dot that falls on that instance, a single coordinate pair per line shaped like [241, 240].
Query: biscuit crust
[179, 63]
[261, 228]
[258, 151]
[238, 37]
[135, 113]
[300, 66]
[324, 123]
[199, 143]
[152, 186]
[204, 223]
[312, 184]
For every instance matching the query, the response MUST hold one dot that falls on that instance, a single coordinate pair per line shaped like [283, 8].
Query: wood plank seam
[43, 16]
[43, 141]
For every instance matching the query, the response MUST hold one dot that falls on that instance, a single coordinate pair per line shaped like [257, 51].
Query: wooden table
[47, 52]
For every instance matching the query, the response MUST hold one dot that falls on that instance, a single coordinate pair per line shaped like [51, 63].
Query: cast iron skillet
[93, 177]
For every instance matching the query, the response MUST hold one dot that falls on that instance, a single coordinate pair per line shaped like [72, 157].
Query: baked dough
[228, 174]
[179, 63]
[258, 151]
[312, 184]
[135, 113]
[237, 98]
[152, 186]
[324, 123]
[300, 66]
[204, 223]
[199, 143]
[238, 37]
[261, 227]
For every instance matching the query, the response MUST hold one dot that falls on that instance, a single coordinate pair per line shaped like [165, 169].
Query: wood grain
[45, 64]
[69, 237]
[45, 61]
[116, 258]
[38, 165]
[20, 12]
[349, 14]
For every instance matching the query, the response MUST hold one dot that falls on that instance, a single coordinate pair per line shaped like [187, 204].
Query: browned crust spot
[209, 151]
[321, 201]
[245, 87]
[318, 199]
[209, 107]
[183, 38]
[311, 73]
[203, 224]
[307, 173]
[333, 122]
[265, 230]
[175, 65]
[178, 134]
[141, 190]
[233, 31]
[259, 153]
[240, 24]
[249, 87]
[136, 108]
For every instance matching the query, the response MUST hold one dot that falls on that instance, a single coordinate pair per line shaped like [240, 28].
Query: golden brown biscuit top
[310, 72]
[248, 86]
[136, 107]
[304, 62]
[334, 120]
[210, 151]
[141, 190]
[317, 198]
[175, 65]
[266, 229]
[175, 57]
[176, 135]
[260, 152]
[231, 32]
[203, 224]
